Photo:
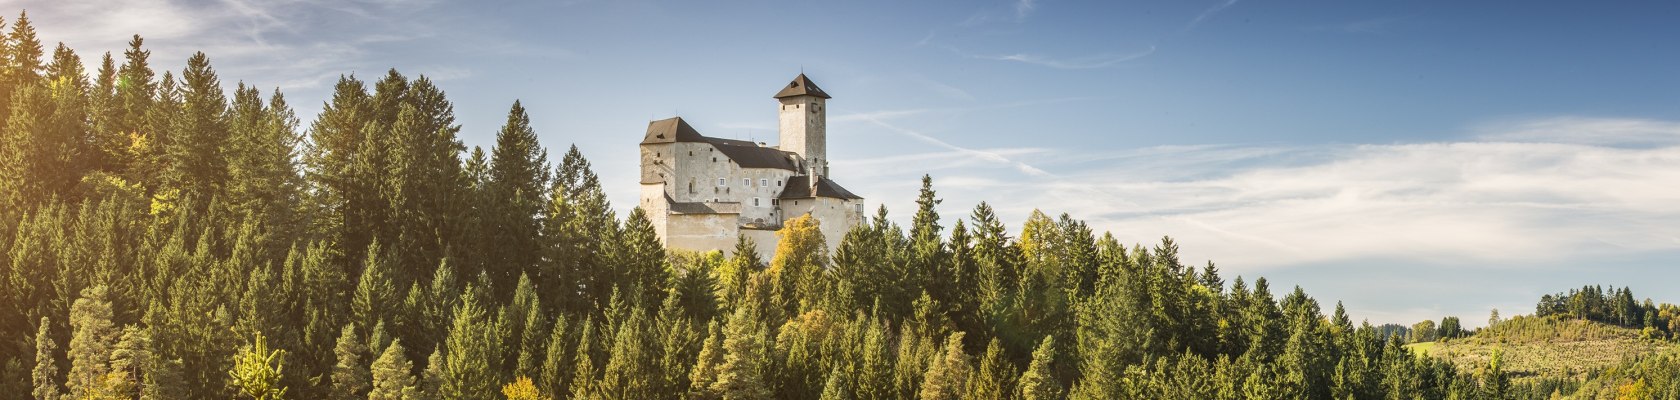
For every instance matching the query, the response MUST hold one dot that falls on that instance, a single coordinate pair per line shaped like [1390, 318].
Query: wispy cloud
[1209, 13]
[1506, 198]
[1024, 8]
[1585, 130]
[879, 119]
[1087, 62]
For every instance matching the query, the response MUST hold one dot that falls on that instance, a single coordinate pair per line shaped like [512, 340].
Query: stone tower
[804, 124]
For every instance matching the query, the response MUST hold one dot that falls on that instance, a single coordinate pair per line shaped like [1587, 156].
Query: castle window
[746, 181]
[723, 182]
[763, 182]
[714, 159]
[778, 182]
[755, 202]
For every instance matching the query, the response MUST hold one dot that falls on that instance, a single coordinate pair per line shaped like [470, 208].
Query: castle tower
[804, 124]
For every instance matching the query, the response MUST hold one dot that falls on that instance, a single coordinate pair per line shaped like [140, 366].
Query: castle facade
[702, 192]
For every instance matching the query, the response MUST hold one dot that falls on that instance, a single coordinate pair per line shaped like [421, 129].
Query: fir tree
[393, 376]
[740, 376]
[518, 180]
[46, 363]
[948, 375]
[474, 346]
[91, 341]
[350, 377]
[1039, 382]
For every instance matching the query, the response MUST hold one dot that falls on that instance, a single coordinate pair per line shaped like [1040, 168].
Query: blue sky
[1414, 159]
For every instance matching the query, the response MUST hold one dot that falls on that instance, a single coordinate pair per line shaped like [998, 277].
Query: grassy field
[1545, 347]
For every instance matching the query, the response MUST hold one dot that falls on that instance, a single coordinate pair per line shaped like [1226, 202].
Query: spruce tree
[995, 379]
[46, 362]
[91, 341]
[350, 377]
[949, 373]
[1039, 382]
[198, 165]
[518, 181]
[473, 351]
[393, 376]
[740, 376]
[557, 360]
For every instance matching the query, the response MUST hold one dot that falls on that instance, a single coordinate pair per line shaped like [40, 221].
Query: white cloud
[1505, 203]
[1585, 130]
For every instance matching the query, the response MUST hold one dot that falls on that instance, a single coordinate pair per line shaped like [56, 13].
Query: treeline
[1614, 306]
[167, 240]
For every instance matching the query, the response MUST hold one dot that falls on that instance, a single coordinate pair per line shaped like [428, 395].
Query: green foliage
[393, 376]
[256, 371]
[152, 224]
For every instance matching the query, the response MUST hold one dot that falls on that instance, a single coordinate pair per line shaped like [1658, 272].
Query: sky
[1412, 159]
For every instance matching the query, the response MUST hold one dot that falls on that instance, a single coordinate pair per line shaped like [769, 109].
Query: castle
[701, 192]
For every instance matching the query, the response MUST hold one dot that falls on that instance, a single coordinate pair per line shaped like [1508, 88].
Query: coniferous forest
[167, 239]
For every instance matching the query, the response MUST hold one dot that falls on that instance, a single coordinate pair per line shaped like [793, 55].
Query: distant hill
[1548, 348]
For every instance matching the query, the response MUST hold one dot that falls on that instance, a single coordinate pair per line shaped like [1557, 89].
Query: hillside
[1535, 348]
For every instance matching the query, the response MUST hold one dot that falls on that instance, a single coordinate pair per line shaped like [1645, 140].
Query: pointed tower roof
[801, 86]
[671, 130]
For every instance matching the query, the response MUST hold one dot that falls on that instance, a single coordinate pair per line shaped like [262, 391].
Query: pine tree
[376, 295]
[835, 387]
[256, 371]
[46, 362]
[557, 361]
[197, 163]
[393, 376]
[91, 341]
[705, 370]
[741, 375]
[1039, 382]
[948, 375]
[995, 379]
[350, 377]
[431, 380]
[641, 259]
[37, 155]
[584, 372]
[518, 180]
[474, 347]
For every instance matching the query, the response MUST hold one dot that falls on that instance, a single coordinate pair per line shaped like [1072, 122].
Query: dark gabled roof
[801, 86]
[744, 153]
[671, 130]
[750, 155]
[799, 187]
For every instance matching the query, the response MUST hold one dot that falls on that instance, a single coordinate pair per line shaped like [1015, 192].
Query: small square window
[764, 182]
[746, 181]
[755, 202]
[723, 182]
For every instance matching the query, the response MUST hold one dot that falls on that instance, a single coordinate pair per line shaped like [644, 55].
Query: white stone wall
[701, 231]
[804, 130]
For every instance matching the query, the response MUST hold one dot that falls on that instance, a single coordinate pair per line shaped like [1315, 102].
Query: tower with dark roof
[701, 192]
[804, 123]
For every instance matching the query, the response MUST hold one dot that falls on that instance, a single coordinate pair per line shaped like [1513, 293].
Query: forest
[167, 239]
